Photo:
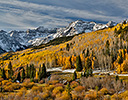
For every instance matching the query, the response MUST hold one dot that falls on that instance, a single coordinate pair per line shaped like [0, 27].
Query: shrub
[123, 95]
[8, 88]
[54, 77]
[90, 82]
[36, 98]
[4, 82]
[27, 80]
[35, 88]
[49, 88]
[91, 96]
[78, 93]
[65, 96]
[115, 97]
[59, 84]
[28, 85]
[16, 86]
[1, 79]
[44, 95]
[41, 81]
[111, 91]
[57, 89]
[1, 96]
[79, 89]
[53, 82]
[107, 97]
[8, 83]
[117, 86]
[74, 84]
[22, 92]
[103, 91]
[11, 96]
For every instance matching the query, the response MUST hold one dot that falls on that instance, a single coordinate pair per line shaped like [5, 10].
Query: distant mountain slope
[54, 55]
[18, 40]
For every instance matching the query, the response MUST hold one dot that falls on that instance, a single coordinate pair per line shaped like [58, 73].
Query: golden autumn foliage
[124, 66]
[74, 84]
[65, 96]
[22, 91]
[53, 56]
[103, 91]
[91, 96]
[44, 95]
[100, 56]
[57, 90]
[28, 85]
[123, 95]
[79, 89]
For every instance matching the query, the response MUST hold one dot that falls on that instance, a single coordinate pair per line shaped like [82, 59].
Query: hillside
[64, 55]
[19, 40]
[28, 74]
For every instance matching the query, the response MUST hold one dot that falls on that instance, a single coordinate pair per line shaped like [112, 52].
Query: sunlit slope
[63, 54]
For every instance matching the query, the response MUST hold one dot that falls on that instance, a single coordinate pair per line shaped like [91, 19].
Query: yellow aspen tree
[36, 74]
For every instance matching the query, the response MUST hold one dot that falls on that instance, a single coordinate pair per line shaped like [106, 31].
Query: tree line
[21, 73]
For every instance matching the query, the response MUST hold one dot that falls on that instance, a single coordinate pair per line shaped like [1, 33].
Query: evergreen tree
[27, 71]
[3, 74]
[83, 52]
[117, 78]
[88, 63]
[10, 71]
[81, 75]
[67, 47]
[115, 30]
[34, 70]
[32, 76]
[19, 77]
[68, 88]
[84, 73]
[70, 60]
[120, 60]
[23, 75]
[40, 69]
[87, 53]
[78, 64]
[39, 73]
[31, 71]
[121, 44]
[91, 72]
[74, 75]
[107, 47]
[44, 74]
[93, 55]
[112, 58]
[87, 74]
[124, 22]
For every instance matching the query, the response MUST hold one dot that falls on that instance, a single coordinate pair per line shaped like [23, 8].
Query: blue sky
[29, 14]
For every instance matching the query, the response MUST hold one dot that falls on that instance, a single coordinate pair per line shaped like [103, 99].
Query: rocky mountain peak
[15, 40]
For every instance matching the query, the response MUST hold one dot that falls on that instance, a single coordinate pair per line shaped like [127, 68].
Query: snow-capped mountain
[16, 40]
[80, 27]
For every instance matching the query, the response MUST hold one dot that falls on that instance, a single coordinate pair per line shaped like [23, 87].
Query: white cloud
[15, 14]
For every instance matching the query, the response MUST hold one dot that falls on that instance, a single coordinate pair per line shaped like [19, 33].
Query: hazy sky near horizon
[28, 14]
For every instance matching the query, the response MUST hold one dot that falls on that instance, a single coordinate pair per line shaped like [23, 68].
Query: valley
[90, 66]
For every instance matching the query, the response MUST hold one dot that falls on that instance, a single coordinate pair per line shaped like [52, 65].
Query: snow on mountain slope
[16, 40]
[9, 44]
[81, 26]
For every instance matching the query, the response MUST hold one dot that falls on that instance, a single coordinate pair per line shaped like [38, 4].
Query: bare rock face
[17, 40]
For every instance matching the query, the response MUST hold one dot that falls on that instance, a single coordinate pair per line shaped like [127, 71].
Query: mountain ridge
[17, 40]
